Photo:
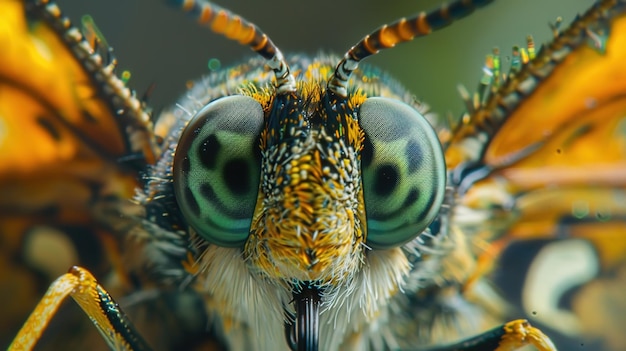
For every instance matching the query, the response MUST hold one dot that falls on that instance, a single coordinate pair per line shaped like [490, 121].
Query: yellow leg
[520, 333]
[508, 337]
[93, 299]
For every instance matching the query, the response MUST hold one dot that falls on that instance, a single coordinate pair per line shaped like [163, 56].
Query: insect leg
[103, 311]
[508, 337]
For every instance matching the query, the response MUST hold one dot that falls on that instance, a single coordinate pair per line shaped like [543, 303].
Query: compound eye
[216, 169]
[404, 173]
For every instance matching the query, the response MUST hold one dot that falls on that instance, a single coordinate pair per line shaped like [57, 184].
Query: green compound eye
[404, 172]
[217, 169]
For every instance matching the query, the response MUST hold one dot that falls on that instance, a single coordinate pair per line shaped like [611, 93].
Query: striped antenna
[232, 26]
[400, 31]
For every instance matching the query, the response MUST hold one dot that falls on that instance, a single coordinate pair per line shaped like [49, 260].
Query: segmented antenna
[400, 31]
[234, 27]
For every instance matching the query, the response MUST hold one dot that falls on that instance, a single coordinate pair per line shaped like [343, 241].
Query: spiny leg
[105, 314]
[508, 337]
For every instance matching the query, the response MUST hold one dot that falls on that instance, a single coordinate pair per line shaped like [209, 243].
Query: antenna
[234, 27]
[387, 36]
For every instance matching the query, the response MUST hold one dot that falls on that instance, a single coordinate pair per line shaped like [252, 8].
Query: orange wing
[542, 164]
[72, 141]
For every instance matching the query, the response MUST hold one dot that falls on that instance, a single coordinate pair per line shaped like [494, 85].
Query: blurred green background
[158, 44]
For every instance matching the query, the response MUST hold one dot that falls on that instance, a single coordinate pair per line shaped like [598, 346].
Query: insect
[441, 291]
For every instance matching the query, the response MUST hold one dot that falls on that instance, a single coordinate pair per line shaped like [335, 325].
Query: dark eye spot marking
[49, 127]
[207, 192]
[191, 202]
[386, 180]
[367, 154]
[411, 197]
[236, 175]
[208, 151]
[414, 156]
[235, 211]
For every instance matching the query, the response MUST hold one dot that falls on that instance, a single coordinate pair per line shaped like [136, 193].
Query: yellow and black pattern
[269, 209]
